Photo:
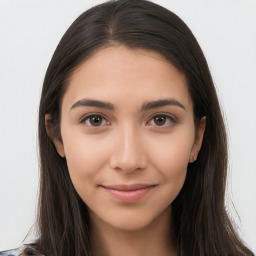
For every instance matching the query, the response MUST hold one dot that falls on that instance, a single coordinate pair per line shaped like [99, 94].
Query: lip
[128, 193]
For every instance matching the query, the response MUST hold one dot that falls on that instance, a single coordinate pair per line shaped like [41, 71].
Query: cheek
[170, 157]
[85, 158]
[172, 152]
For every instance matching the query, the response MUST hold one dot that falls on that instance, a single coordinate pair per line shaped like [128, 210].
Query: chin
[134, 224]
[133, 220]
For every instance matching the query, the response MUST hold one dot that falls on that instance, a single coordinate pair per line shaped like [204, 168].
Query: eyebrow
[145, 106]
[93, 103]
[161, 103]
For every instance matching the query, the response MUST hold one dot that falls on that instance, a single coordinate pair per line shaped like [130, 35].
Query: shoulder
[14, 252]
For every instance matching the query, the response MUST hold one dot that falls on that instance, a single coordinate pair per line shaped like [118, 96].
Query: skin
[128, 146]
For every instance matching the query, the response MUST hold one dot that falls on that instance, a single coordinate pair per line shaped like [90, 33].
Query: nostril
[128, 164]
[128, 152]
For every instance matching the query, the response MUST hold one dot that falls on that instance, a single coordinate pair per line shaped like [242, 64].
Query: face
[128, 134]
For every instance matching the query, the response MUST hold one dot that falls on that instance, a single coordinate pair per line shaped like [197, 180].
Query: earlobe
[199, 140]
[50, 129]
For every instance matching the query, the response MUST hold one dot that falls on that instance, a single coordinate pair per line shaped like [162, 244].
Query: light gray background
[29, 33]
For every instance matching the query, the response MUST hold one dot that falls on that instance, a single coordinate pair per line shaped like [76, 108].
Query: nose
[128, 151]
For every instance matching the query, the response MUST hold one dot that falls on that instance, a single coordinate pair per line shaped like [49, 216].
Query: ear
[198, 141]
[50, 129]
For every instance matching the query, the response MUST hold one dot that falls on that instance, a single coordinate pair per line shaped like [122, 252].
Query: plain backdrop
[29, 33]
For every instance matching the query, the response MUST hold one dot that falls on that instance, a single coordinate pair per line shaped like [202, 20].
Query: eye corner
[172, 120]
[83, 120]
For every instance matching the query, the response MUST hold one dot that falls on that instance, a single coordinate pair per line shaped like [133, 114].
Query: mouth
[128, 193]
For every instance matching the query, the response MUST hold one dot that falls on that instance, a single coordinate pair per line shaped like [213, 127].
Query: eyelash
[88, 116]
[171, 118]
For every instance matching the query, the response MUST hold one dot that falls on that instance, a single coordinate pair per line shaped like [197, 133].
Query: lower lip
[128, 195]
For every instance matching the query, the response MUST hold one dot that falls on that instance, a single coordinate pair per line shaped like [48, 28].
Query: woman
[132, 142]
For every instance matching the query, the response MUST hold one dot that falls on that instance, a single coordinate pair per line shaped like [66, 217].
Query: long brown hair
[200, 220]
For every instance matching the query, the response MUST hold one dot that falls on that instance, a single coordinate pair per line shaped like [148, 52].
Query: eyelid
[168, 115]
[84, 118]
[88, 115]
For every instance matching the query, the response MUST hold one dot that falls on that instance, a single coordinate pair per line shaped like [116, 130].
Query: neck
[155, 239]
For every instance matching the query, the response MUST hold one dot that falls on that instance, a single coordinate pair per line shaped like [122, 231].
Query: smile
[128, 193]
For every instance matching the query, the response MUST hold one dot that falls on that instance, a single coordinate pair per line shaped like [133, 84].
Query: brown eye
[94, 120]
[160, 120]
[163, 120]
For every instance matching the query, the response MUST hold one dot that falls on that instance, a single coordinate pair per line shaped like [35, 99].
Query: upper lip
[128, 187]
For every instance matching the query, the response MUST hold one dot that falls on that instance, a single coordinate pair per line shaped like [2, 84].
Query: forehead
[116, 72]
